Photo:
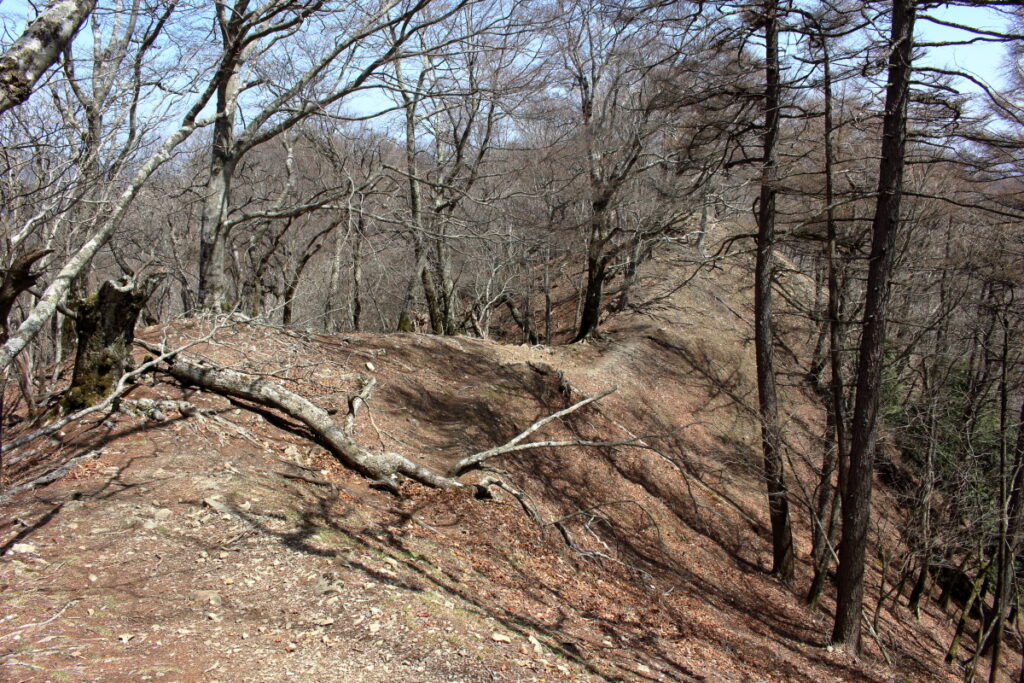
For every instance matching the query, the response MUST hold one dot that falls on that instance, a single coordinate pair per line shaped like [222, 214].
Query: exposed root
[48, 478]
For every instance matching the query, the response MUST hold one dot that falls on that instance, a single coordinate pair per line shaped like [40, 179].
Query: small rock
[370, 367]
[216, 504]
[125, 637]
[163, 514]
[212, 598]
[93, 578]
[291, 647]
[643, 668]
[374, 627]
[500, 638]
[23, 548]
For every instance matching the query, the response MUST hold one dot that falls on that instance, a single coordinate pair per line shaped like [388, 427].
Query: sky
[982, 59]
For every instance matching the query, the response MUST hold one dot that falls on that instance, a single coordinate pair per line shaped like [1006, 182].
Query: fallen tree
[380, 466]
[386, 467]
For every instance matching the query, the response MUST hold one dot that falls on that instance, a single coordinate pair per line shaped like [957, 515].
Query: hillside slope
[225, 545]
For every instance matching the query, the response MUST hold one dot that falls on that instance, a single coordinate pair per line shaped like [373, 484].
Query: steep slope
[224, 545]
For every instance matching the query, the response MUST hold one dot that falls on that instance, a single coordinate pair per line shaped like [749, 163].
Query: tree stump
[106, 326]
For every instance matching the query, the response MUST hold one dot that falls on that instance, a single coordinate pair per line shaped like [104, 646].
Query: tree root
[48, 478]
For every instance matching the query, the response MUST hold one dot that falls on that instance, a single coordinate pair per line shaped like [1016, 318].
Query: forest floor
[226, 546]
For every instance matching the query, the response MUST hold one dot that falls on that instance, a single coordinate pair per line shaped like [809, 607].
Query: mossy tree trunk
[106, 326]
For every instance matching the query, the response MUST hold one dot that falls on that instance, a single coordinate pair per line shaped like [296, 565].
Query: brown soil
[198, 548]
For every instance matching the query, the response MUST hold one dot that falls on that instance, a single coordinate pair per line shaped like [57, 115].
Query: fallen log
[382, 466]
[385, 467]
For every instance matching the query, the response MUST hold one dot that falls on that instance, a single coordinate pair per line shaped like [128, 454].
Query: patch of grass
[334, 538]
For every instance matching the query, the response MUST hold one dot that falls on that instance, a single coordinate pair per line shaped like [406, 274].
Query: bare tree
[857, 496]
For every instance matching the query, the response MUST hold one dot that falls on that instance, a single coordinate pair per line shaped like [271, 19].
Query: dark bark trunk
[1009, 544]
[522, 319]
[106, 328]
[919, 587]
[823, 533]
[978, 590]
[629, 277]
[548, 303]
[764, 339]
[590, 316]
[17, 279]
[857, 497]
[949, 587]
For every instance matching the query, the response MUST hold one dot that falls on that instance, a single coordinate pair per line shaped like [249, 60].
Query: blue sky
[983, 59]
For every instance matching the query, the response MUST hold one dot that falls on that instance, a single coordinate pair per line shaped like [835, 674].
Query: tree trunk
[446, 287]
[1009, 543]
[764, 339]
[590, 316]
[106, 328]
[212, 294]
[919, 587]
[355, 302]
[857, 496]
[332, 307]
[38, 48]
[17, 279]
[212, 287]
[548, 303]
[824, 522]
[978, 590]
[629, 277]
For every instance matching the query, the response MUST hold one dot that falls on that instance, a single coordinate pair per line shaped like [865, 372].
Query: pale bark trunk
[355, 303]
[58, 288]
[39, 48]
[383, 466]
[212, 294]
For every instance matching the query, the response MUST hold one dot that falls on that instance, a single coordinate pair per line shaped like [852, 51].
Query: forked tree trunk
[106, 326]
